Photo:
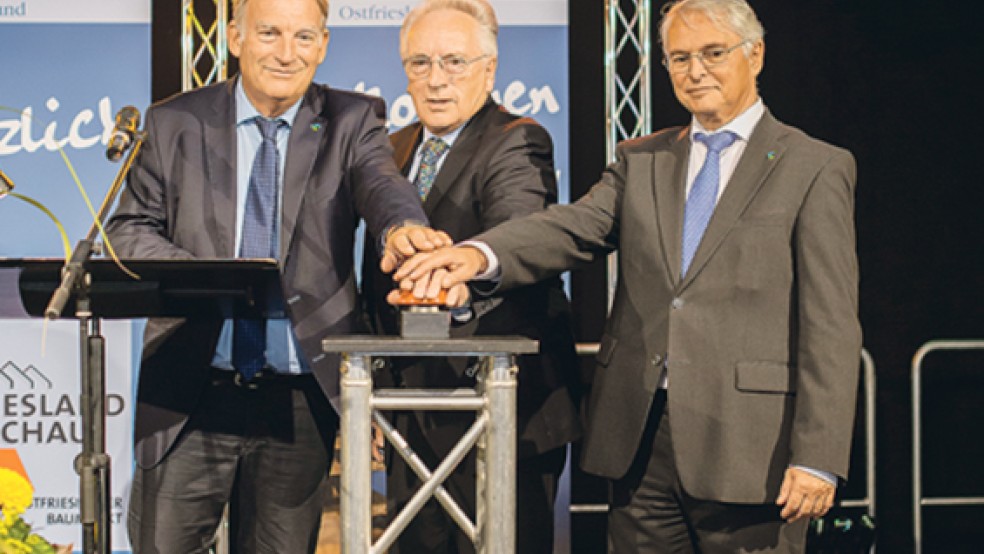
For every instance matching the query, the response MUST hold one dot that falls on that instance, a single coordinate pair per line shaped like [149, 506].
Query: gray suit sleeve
[829, 342]
[562, 237]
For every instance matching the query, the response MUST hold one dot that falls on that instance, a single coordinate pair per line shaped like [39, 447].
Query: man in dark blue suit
[265, 159]
[490, 167]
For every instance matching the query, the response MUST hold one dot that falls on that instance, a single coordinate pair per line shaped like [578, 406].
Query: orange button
[408, 299]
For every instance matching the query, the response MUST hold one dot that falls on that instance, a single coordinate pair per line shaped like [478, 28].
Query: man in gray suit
[724, 395]
[265, 165]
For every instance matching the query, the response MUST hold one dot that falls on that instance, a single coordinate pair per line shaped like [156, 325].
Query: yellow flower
[14, 547]
[16, 537]
[15, 493]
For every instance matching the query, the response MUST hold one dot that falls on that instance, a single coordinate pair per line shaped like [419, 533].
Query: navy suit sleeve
[139, 227]
[383, 197]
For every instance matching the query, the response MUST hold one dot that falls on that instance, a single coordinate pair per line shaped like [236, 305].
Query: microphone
[6, 185]
[127, 122]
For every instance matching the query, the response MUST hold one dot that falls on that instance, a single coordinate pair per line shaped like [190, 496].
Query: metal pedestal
[493, 435]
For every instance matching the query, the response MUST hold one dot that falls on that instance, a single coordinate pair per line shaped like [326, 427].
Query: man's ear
[324, 46]
[757, 57]
[235, 42]
[490, 74]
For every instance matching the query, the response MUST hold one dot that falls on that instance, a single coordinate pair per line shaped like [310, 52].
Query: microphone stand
[93, 463]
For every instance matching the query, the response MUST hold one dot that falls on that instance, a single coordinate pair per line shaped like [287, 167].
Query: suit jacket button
[657, 359]
[677, 303]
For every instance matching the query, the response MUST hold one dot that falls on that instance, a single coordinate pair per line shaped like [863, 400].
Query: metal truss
[627, 71]
[627, 79]
[204, 52]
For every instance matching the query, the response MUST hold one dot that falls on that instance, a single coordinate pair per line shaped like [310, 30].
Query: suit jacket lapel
[219, 138]
[670, 197]
[757, 161]
[458, 157]
[405, 145]
[309, 129]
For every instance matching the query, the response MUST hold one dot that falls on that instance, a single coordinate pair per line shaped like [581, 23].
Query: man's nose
[285, 49]
[696, 68]
[438, 77]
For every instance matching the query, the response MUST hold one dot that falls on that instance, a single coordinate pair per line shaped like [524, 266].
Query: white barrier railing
[918, 500]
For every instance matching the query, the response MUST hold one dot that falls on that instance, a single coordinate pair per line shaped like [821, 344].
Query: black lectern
[167, 288]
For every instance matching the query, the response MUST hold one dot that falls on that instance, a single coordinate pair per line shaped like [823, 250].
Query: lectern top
[168, 288]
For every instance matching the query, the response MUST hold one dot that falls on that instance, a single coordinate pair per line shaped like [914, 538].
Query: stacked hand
[432, 269]
[406, 240]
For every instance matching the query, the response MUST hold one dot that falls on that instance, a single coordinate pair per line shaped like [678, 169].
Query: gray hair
[480, 10]
[734, 15]
[239, 12]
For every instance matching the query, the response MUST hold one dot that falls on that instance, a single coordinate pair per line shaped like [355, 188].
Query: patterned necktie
[703, 194]
[258, 241]
[434, 148]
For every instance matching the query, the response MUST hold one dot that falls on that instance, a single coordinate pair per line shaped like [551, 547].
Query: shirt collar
[743, 125]
[448, 138]
[246, 112]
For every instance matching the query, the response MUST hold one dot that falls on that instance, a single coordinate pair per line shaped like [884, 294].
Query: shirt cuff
[492, 271]
[463, 314]
[828, 477]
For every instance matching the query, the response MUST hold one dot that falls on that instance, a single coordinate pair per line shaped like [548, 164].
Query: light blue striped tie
[703, 194]
[258, 241]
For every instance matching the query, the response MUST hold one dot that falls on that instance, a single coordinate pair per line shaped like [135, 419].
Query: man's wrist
[408, 224]
[490, 269]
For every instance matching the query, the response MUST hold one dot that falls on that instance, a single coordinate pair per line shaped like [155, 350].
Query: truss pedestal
[493, 435]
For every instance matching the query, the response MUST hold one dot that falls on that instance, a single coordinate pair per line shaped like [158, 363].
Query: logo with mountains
[15, 377]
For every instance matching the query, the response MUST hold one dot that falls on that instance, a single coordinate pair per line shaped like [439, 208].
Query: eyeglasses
[452, 64]
[711, 56]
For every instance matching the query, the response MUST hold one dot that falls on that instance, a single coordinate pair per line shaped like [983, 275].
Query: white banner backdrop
[39, 387]
[68, 67]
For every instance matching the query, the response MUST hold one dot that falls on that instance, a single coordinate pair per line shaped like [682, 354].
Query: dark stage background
[896, 83]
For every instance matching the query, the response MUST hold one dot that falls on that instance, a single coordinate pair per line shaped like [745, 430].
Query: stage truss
[204, 48]
[628, 106]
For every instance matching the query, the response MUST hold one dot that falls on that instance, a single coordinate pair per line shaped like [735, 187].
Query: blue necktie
[258, 241]
[434, 148]
[703, 194]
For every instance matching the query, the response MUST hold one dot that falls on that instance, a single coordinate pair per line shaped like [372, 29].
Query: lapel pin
[771, 155]
[315, 127]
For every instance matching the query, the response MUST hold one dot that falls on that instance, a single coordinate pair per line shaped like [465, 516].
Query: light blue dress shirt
[282, 350]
